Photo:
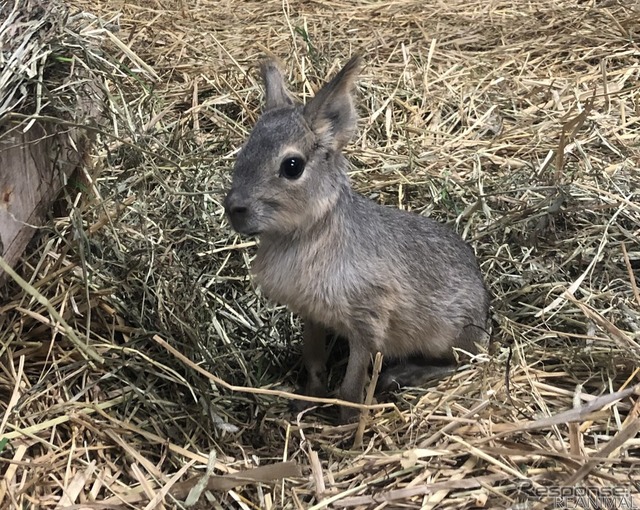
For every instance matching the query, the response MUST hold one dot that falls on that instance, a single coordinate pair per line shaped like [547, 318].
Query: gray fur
[385, 279]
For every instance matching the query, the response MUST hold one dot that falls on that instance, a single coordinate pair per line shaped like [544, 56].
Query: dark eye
[292, 168]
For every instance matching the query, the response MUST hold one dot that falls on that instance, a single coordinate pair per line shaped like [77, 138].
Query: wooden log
[34, 166]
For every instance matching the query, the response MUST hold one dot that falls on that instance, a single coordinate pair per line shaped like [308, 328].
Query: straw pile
[517, 122]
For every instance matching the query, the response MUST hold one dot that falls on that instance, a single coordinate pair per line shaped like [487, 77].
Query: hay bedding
[517, 122]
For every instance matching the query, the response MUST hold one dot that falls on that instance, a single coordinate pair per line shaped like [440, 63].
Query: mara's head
[290, 172]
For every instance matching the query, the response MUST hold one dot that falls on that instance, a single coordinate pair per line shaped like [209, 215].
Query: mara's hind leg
[403, 373]
[419, 370]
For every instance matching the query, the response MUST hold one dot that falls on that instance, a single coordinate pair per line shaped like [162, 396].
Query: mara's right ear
[331, 113]
[275, 90]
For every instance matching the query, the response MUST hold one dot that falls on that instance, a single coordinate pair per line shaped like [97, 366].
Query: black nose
[235, 208]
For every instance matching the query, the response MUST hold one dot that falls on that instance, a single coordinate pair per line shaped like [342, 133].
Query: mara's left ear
[275, 89]
[331, 113]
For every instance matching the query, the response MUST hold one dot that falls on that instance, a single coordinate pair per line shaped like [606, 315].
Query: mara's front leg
[367, 336]
[355, 378]
[314, 358]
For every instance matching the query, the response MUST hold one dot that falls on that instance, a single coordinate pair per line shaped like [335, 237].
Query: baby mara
[387, 280]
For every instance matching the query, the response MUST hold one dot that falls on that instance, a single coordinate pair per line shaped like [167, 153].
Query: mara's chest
[312, 283]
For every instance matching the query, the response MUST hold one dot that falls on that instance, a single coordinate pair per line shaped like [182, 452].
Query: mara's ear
[275, 89]
[331, 112]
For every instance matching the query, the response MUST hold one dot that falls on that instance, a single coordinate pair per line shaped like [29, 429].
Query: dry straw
[517, 122]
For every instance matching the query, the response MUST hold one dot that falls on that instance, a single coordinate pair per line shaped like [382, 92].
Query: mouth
[242, 230]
